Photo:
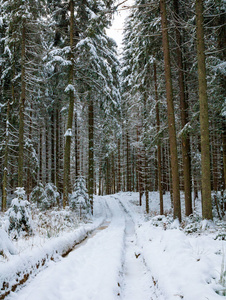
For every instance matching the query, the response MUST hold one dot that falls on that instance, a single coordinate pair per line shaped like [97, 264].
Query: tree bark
[47, 149]
[113, 173]
[76, 147]
[185, 142]
[57, 149]
[204, 118]
[128, 173]
[21, 113]
[6, 156]
[170, 112]
[224, 150]
[40, 155]
[53, 169]
[67, 149]
[119, 167]
[91, 150]
[146, 183]
[159, 146]
[29, 174]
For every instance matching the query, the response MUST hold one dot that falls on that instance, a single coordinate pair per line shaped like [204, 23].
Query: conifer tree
[204, 119]
[70, 91]
[97, 81]
[171, 117]
[185, 141]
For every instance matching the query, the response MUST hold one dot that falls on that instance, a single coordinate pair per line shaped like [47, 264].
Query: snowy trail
[138, 282]
[131, 258]
[89, 272]
[107, 266]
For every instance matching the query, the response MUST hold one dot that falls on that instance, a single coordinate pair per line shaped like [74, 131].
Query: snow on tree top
[20, 191]
[68, 132]
[69, 88]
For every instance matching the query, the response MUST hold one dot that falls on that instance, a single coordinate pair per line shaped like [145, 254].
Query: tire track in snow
[137, 280]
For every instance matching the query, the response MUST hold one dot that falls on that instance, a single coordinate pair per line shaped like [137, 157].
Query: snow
[69, 88]
[6, 246]
[116, 30]
[131, 256]
[175, 262]
[68, 132]
[42, 255]
[99, 259]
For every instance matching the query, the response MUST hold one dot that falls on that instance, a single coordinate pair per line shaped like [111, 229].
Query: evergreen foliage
[45, 197]
[19, 215]
[85, 115]
[79, 197]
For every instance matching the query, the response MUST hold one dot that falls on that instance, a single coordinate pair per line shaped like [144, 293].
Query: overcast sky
[116, 30]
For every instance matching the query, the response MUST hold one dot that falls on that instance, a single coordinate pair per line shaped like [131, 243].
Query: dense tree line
[59, 74]
[174, 57]
[70, 111]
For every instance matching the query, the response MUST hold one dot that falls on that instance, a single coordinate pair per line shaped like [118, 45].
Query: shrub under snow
[45, 197]
[19, 215]
[80, 198]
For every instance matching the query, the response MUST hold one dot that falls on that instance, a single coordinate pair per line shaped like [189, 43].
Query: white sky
[116, 30]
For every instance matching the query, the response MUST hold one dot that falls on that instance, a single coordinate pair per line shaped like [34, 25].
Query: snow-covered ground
[130, 256]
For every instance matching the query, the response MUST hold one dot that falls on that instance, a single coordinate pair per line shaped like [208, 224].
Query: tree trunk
[76, 147]
[221, 36]
[47, 150]
[139, 169]
[141, 184]
[128, 173]
[21, 113]
[204, 118]
[57, 149]
[29, 174]
[67, 149]
[170, 112]
[159, 146]
[100, 178]
[113, 173]
[91, 150]
[40, 155]
[119, 167]
[145, 149]
[224, 150]
[185, 142]
[53, 169]
[146, 183]
[6, 155]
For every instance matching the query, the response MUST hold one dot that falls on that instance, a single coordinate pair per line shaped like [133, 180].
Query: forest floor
[127, 255]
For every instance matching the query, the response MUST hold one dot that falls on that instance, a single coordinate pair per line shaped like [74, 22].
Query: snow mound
[6, 246]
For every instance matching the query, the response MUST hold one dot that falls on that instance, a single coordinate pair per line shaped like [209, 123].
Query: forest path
[137, 281]
[102, 268]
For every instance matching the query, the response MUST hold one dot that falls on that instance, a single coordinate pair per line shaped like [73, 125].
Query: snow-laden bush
[38, 194]
[19, 215]
[53, 222]
[79, 201]
[161, 221]
[45, 197]
[51, 196]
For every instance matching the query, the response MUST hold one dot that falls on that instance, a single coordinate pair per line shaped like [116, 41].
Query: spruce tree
[171, 117]
[204, 119]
